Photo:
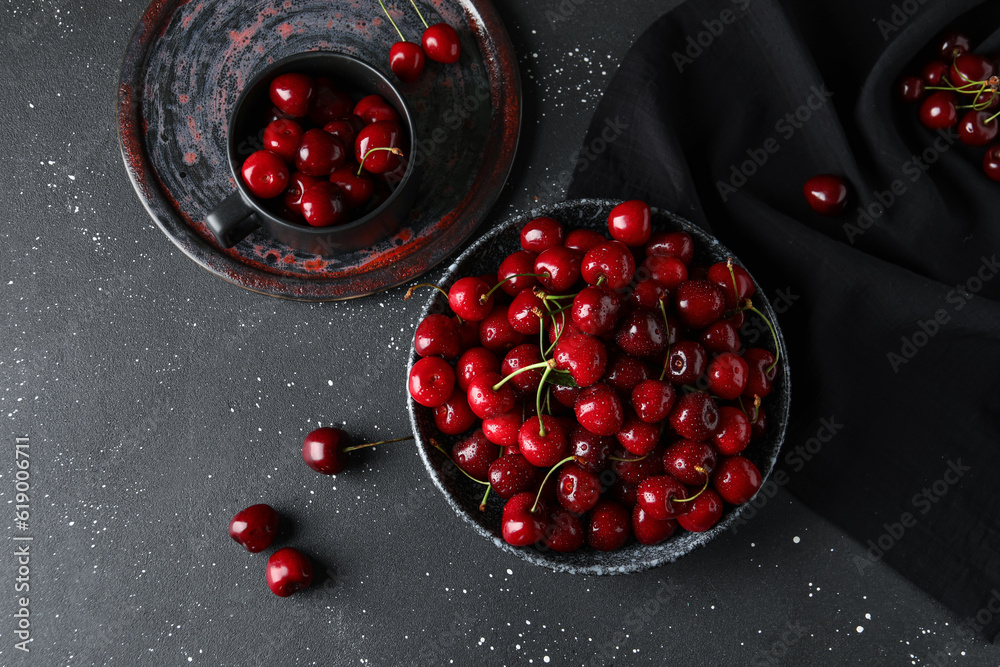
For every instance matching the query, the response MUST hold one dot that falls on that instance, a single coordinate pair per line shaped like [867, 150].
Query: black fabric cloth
[720, 112]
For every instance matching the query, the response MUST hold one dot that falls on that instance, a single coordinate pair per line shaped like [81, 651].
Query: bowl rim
[690, 540]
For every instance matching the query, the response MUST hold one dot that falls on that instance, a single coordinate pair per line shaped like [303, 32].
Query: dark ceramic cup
[241, 213]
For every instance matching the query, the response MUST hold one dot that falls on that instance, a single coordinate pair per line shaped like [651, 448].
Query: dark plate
[463, 495]
[187, 63]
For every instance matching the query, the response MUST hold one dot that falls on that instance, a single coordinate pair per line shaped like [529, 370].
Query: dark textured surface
[464, 495]
[160, 400]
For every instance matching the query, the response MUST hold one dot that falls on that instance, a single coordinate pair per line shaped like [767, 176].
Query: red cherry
[653, 400]
[583, 356]
[319, 153]
[826, 194]
[759, 378]
[437, 336]
[370, 142]
[599, 410]
[475, 455]
[525, 313]
[467, 298]
[489, 403]
[441, 43]
[648, 530]
[292, 93]
[562, 267]
[658, 496]
[520, 264]
[329, 103]
[699, 303]
[736, 480]
[667, 270]
[631, 223]
[323, 205]
[695, 417]
[952, 44]
[733, 435]
[648, 294]
[406, 60]
[676, 244]
[933, 72]
[519, 357]
[631, 470]
[542, 451]
[636, 436]
[736, 287]
[978, 128]
[590, 451]
[643, 333]
[474, 362]
[541, 234]
[582, 240]
[495, 332]
[345, 129]
[610, 526]
[938, 110]
[970, 68]
[431, 382]
[720, 336]
[323, 450]
[565, 532]
[683, 458]
[298, 183]
[265, 174]
[255, 527]
[728, 375]
[357, 190]
[911, 89]
[991, 163]
[503, 430]
[519, 525]
[454, 416]
[282, 136]
[374, 109]
[705, 512]
[288, 571]
[624, 372]
[610, 264]
[510, 475]
[686, 363]
[595, 310]
[577, 489]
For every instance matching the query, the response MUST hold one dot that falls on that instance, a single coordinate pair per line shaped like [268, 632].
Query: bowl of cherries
[319, 148]
[582, 393]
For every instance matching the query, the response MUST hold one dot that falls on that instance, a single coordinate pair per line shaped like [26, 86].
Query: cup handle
[232, 220]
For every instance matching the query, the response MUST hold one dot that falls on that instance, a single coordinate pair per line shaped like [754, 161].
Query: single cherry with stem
[325, 449]
[406, 59]
[440, 41]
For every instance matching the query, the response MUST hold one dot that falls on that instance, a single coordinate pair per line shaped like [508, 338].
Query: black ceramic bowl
[463, 495]
[242, 214]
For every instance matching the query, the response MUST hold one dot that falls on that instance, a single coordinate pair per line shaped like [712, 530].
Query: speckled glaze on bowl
[463, 495]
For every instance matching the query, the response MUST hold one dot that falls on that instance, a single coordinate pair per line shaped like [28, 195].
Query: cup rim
[255, 204]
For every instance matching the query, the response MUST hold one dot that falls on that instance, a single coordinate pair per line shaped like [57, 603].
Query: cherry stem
[549, 365]
[732, 274]
[541, 334]
[530, 367]
[482, 505]
[541, 486]
[756, 406]
[615, 458]
[436, 445]
[600, 281]
[409, 294]
[559, 336]
[391, 21]
[777, 348]
[419, 14]
[373, 444]
[486, 297]
[687, 500]
[666, 323]
[391, 149]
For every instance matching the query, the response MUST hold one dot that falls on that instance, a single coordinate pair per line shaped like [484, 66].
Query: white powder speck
[859, 629]
[510, 571]
[796, 539]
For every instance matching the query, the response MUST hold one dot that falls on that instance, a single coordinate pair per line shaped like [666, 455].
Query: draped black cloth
[720, 112]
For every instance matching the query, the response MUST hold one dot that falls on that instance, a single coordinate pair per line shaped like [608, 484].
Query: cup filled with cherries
[319, 146]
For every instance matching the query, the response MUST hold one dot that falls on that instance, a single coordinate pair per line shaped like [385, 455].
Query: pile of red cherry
[329, 159]
[959, 87]
[615, 368]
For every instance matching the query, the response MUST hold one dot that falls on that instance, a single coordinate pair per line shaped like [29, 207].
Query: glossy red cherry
[720, 336]
[468, 299]
[441, 43]
[939, 110]
[647, 294]
[733, 435]
[437, 336]
[760, 375]
[374, 109]
[329, 103]
[510, 475]
[382, 143]
[676, 244]
[699, 303]
[695, 417]
[624, 372]
[432, 381]
[591, 451]
[564, 533]
[728, 375]
[558, 269]
[496, 333]
[474, 362]
[582, 240]
[519, 525]
[357, 190]
[282, 136]
[705, 512]
[475, 454]
[454, 416]
[292, 93]
[345, 129]
[323, 205]
[541, 234]
[595, 310]
[319, 153]
[667, 270]
[610, 264]
[503, 430]
[970, 68]
[933, 72]
[736, 480]
[521, 264]
[525, 313]
[633, 470]
[643, 333]
[978, 128]
[265, 174]
[610, 526]
[637, 436]
[952, 44]
[583, 356]
[758, 423]
[542, 451]
[577, 489]
[991, 163]
[255, 527]
[323, 450]
[686, 363]
[521, 356]
[683, 459]
[288, 571]
[648, 530]
[736, 287]
[653, 400]
[657, 496]
[911, 89]
[826, 194]
[487, 402]
[599, 410]
[631, 223]
[298, 183]
[406, 60]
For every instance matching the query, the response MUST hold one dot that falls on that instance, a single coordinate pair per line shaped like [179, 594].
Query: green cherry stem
[546, 478]
[777, 348]
[687, 500]
[391, 21]
[436, 445]
[391, 149]
[549, 365]
[615, 458]
[409, 294]
[666, 323]
[486, 297]
[482, 505]
[541, 364]
[374, 444]
[419, 14]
